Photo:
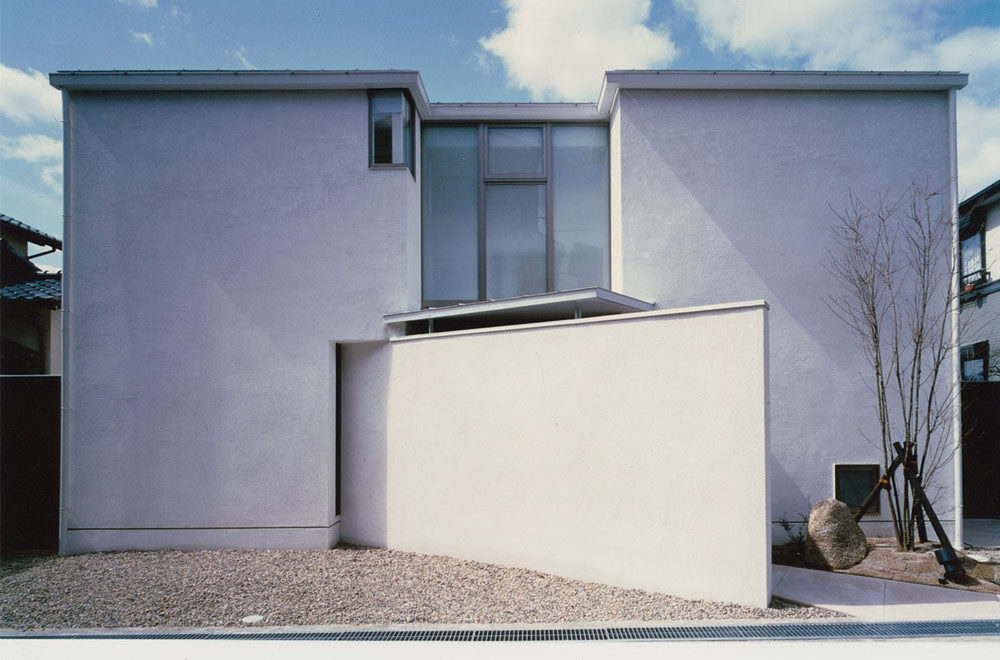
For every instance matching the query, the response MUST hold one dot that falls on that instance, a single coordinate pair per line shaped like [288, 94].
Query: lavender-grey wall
[726, 196]
[218, 244]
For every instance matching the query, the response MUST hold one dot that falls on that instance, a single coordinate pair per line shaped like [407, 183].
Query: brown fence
[981, 449]
[29, 463]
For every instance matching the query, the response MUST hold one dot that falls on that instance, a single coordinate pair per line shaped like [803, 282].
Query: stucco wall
[727, 195]
[606, 450]
[218, 244]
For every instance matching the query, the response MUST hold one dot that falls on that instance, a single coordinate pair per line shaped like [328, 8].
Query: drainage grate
[766, 631]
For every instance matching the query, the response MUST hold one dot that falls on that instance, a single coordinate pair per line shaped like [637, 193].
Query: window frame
[980, 350]
[409, 144]
[485, 178]
[874, 469]
[976, 226]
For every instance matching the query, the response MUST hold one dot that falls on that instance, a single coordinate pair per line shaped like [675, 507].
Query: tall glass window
[580, 206]
[515, 240]
[450, 208]
[513, 210]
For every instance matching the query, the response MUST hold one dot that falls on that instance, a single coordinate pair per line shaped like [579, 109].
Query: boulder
[833, 539]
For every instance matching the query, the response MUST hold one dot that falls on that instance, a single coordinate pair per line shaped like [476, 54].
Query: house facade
[29, 302]
[979, 235]
[586, 338]
[979, 227]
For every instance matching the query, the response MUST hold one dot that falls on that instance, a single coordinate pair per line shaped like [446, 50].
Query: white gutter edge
[243, 80]
[66, 372]
[956, 349]
[410, 80]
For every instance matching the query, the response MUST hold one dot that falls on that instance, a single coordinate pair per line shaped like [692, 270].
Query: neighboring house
[30, 298]
[585, 338]
[979, 232]
[30, 364]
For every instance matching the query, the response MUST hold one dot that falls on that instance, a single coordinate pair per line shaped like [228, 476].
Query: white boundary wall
[628, 450]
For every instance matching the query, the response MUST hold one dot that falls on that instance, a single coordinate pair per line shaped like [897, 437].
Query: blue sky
[477, 50]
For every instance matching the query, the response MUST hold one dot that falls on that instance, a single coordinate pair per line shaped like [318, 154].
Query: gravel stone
[346, 585]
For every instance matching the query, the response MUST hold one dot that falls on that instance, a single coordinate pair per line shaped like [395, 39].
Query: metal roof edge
[243, 80]
[612, 81]
[519, 302]
[782, 80]
[987, 195]
[515, 112]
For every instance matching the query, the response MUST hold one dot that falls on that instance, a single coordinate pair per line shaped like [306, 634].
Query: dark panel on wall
[29, 463]
[981, 449]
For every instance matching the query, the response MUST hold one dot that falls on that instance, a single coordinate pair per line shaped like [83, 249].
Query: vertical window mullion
[550, 257]
[482, 211]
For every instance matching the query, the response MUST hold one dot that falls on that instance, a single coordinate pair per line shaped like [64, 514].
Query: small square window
[390, 140]
[853, 483]
[976, 361]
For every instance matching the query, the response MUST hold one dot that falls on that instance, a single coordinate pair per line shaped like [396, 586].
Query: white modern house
[304, 307]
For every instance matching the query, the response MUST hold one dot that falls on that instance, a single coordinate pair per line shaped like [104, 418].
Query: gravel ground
[348, 585]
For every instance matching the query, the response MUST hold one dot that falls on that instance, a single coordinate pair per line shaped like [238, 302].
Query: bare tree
[893, 266]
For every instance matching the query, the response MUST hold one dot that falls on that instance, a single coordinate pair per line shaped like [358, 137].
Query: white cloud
[558, 49]
[975, 50]
[41, 150]
[32, 148]
[827, 34]
[142, 37]
[864, 35]
[241, 57]
[140, 4]
[52, 176]
[978, 145]
[890, 35]
[175, 12]
[26, 96]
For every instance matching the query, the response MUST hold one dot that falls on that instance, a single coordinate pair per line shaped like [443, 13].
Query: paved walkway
[885, 600]
[982, 532]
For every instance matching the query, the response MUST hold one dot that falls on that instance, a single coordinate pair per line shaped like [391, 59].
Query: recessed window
[853, 483]
[513, 210]
[390, 129]
[972, 234]
[976, 361]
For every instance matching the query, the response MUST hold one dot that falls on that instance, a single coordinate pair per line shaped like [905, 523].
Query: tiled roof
[28, 233]
[46, 289]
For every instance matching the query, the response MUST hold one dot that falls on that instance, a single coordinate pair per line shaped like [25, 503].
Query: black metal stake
[946, 556]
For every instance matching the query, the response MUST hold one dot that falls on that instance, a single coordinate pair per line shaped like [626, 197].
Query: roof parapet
[198, 80]
[861, 81]
[243, 80]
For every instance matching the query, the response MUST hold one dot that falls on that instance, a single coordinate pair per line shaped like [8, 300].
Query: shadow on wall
[365, 370]
[788, 501]
[749, 181]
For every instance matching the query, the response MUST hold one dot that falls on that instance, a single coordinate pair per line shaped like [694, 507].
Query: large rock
[833, 539]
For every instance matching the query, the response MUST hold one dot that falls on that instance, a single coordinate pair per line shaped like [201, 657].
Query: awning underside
[534, 308]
